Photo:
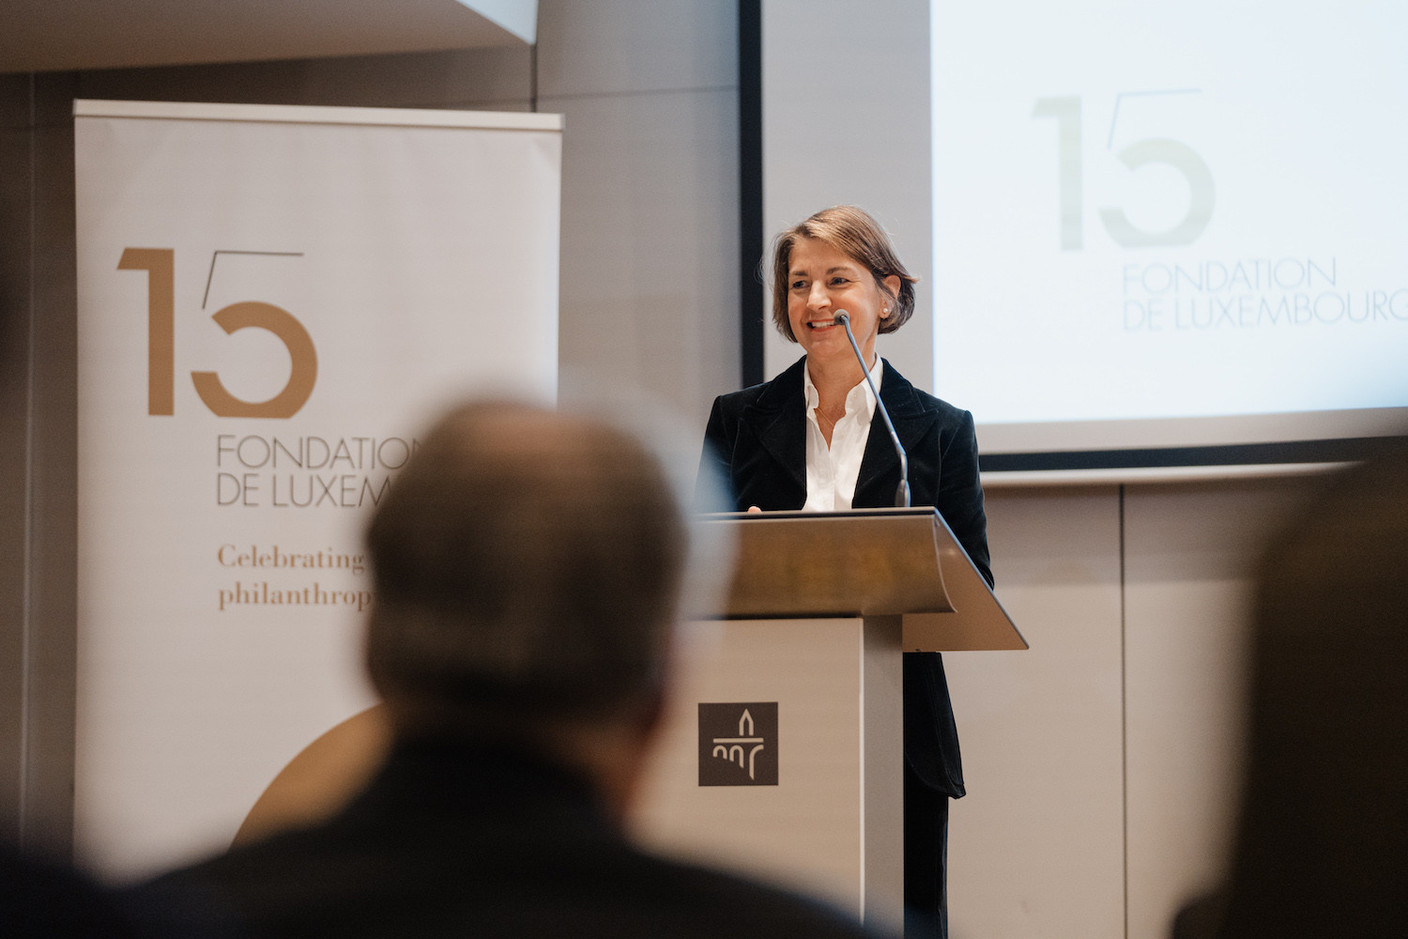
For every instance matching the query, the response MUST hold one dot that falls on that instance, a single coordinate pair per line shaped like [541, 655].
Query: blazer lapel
[778, 420]
[880, 465]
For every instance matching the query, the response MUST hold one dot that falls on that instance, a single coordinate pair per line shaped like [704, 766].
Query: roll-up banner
[272, 302]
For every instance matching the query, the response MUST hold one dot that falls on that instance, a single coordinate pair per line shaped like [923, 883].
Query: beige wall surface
[1099, 762]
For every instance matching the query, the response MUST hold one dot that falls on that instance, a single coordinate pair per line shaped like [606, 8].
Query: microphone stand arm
[902, 492]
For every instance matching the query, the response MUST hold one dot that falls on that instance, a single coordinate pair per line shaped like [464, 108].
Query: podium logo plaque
[738, 744]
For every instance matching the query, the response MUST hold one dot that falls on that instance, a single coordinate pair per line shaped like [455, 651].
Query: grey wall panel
[1190, 550]
[608, 47]
[40, 465]
[846, 120]
[649, 245]
[649, 291]
[1102, 763]
[16, 194]
[1036, 847]
[485, 79]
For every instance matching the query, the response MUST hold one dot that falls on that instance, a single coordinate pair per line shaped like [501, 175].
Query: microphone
[842, 318]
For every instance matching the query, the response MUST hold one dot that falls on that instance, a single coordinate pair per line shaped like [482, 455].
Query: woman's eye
[798, 284]
[838, 281]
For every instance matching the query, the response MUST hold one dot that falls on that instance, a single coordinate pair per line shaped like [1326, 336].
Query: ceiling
[61, 35]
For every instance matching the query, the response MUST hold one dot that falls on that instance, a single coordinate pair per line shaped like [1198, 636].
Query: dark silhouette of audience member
[528, 567]
[46, 899]
[1322, 847]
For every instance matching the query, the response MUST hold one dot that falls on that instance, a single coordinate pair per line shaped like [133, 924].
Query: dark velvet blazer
[756, 441]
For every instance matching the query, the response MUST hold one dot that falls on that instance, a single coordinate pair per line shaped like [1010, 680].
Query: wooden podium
[782, 756]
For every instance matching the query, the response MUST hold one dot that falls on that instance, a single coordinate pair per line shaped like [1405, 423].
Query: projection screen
[1159, 235]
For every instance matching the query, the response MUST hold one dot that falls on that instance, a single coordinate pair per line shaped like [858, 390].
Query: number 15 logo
[159, 263]
[1155, 150]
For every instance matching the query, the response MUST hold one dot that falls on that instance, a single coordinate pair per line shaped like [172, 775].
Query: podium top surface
[865, 562]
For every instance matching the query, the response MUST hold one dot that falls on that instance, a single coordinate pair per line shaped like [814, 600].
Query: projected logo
[738, 744]
[1134, 156]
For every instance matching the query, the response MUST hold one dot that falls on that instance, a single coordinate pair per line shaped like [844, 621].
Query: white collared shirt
[832, 471]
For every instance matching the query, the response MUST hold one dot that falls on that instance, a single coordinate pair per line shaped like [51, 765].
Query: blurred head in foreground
[528, 569]
[1322, 848]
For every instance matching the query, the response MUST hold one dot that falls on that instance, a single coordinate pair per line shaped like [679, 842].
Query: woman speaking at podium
[813, 439]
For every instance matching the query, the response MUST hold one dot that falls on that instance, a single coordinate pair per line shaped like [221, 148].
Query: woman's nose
[818, 298]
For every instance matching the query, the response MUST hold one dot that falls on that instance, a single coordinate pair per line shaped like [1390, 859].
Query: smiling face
[822, 280]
